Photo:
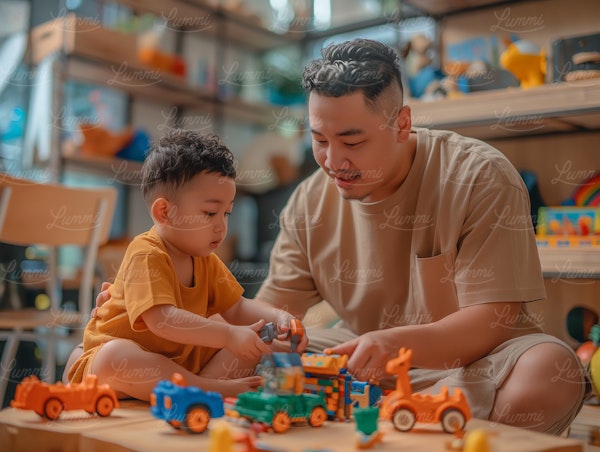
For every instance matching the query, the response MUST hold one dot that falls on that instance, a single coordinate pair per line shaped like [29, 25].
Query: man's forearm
[461, 337]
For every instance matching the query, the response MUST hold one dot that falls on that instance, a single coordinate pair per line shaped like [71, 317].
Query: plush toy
[526, 62]
[420, 71]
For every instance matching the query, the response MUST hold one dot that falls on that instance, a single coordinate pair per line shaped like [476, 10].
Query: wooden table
[131, 427]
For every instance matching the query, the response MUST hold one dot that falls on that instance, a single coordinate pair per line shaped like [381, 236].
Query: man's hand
[102, 298]
[368, 354]
[244, 341]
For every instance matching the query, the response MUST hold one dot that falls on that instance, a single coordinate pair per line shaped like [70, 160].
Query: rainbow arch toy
[588, 193]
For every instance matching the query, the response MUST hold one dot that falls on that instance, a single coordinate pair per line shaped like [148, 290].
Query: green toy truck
[282, 401]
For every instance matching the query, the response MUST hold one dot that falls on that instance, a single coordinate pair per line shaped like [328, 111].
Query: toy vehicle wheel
[52, 408]
[197, 418]
[281, 422]
[403, 419]
[453, 420]
[104, 405]
[317, 416]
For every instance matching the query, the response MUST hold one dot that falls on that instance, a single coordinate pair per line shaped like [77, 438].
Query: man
[416, 238]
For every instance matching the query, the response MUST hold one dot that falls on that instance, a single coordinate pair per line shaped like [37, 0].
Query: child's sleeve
[148, 281]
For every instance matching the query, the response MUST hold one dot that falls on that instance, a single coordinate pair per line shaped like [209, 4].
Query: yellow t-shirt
[145, 279]
[457, 232]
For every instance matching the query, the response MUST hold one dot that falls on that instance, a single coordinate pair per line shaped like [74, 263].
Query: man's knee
[543, 370]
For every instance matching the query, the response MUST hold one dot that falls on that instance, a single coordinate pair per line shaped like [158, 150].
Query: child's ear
[404, 124]
[160, 210]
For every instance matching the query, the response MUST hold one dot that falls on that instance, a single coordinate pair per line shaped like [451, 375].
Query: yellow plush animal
[526, 62]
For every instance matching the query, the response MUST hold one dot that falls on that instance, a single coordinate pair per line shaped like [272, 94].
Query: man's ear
[160, 211]
[404, 124]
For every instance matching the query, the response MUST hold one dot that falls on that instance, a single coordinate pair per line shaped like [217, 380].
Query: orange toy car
[404, 408]
[49, 400]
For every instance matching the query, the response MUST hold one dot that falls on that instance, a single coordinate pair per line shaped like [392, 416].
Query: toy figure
[419, 65]
[404, 408]
[366, 425]
[525, 61]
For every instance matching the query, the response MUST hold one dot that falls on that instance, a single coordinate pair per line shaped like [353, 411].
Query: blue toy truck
[185, 407]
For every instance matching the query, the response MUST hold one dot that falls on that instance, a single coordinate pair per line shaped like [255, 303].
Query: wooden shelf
[570, 262]
[572, 106]
[440, 8]
[109, 58]
[200, 16]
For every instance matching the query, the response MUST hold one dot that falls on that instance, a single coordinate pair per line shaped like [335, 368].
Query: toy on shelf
[128, 144]
[185, 407]
[281, 401]
[568, 226]
[586, 351]
[526, 62]
[591, 353]
[49, 400]
[418, 62]
[404, 408]
[587, 193]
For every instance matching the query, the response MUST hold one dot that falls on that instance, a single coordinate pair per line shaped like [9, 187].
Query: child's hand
[244, 341]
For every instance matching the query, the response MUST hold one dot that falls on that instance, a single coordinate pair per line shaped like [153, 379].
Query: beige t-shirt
[457, 232]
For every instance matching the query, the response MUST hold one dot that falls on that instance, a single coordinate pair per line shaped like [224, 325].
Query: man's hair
[181, 154]
[358, 65]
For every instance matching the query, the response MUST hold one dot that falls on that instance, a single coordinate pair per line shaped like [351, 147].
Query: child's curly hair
[181, 154]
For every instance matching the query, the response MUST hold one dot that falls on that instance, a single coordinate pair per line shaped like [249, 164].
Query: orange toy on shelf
[162, 61]
[49, 400]
[404, 408]
[526, 61]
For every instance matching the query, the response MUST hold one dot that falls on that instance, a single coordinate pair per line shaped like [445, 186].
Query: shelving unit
[505, 116]
[105, 57]
[510, 112]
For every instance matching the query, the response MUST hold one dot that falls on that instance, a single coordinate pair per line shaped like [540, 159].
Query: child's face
[199, 213]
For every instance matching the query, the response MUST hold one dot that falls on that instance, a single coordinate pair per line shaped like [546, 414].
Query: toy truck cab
[187, 407]
[282, 401]
[49, 400]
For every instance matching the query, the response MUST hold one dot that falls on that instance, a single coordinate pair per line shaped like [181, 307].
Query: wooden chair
[51, 215]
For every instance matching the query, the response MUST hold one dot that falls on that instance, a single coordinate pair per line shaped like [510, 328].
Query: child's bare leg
[133, 372]
[224, 365]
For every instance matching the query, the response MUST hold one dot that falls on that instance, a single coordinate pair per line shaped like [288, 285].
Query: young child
[158, 320]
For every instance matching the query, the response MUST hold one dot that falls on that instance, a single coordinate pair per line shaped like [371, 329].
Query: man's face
[357, 146]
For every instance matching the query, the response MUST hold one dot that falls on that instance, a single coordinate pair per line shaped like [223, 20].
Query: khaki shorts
[479, 381]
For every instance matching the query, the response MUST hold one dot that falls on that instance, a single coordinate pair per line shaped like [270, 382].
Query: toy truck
[49, 400]
[185, 407]
[281, 401]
